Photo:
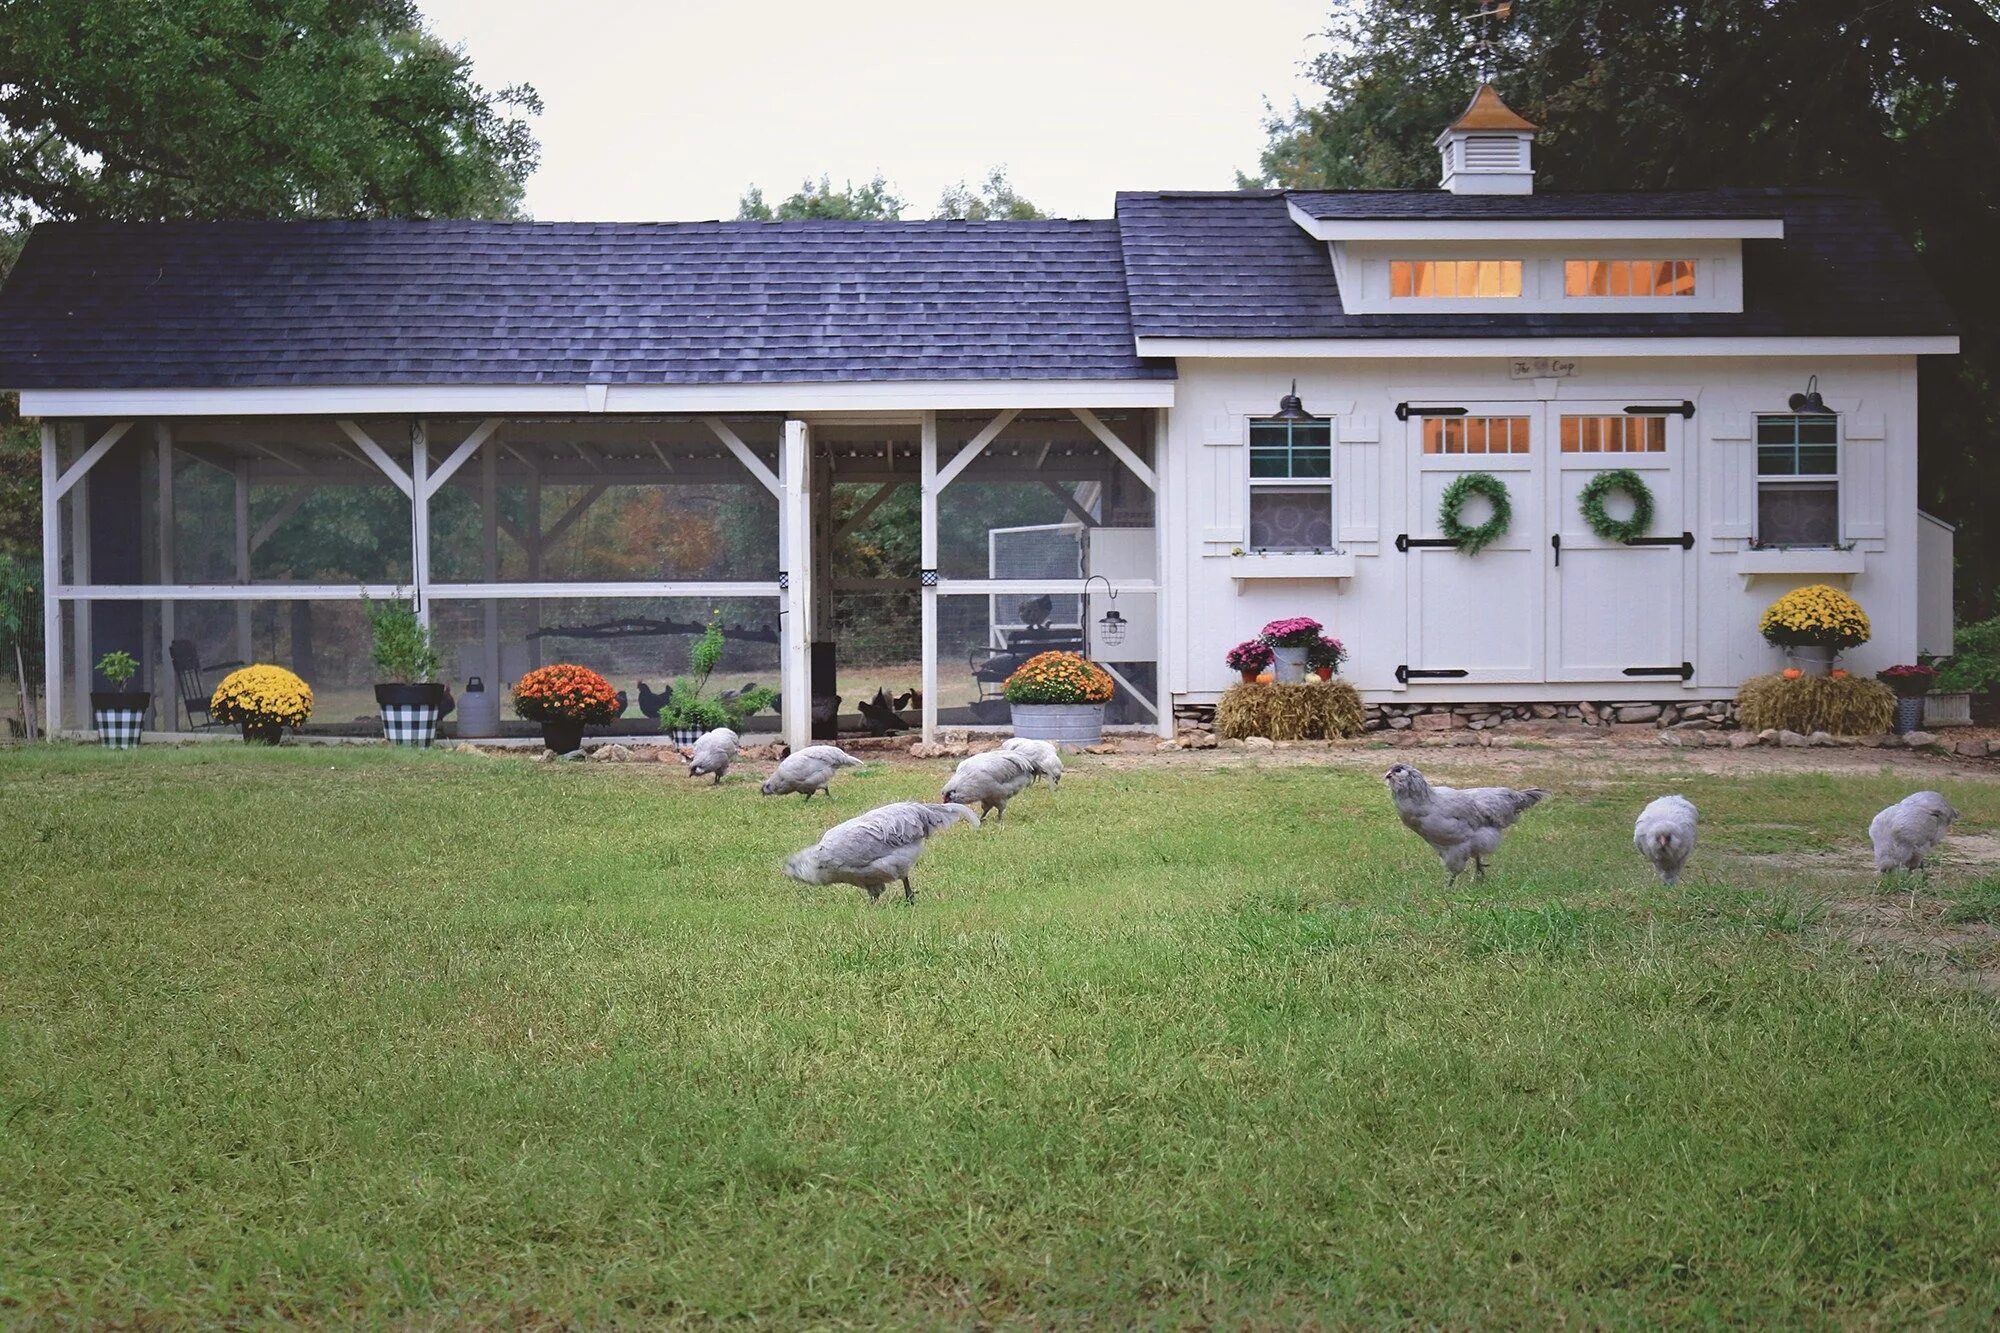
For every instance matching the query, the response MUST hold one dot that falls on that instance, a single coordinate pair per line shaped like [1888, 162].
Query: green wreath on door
[1617, 529]
[1471, 540]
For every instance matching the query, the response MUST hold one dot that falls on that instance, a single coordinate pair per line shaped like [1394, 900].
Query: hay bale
[1316, 710]
[1849, 707]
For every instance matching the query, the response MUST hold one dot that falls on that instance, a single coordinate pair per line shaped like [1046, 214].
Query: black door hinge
[1685, 671]
[1405, 674]
[1685, 541]
[1684, 409]
[1404, 411]
[1556, 541]
[1404, 541]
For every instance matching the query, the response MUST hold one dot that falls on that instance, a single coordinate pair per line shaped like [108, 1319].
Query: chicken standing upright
[1664, 835]
[1460, 826]
[713, 753]
[1905, 833]
[990, 779]
[1044, 757]
[809, 770]
[876, 849]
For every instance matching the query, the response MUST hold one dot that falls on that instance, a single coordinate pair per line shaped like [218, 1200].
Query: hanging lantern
[1111, 628]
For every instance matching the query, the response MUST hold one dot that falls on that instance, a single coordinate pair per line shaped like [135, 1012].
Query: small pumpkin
[1791, 673]
[1837, 674]
[1267, 678]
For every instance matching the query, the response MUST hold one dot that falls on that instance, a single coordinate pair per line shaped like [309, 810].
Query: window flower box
[1291, 565]
[1791, 562]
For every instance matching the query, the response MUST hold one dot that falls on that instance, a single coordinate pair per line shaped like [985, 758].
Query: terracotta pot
[1249, 677]
[1324, 673]
[562, 735]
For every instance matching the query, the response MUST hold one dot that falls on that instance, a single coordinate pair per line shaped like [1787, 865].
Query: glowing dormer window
[1628, 277]
[1455, 279]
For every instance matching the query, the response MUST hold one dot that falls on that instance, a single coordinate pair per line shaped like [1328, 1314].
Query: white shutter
[1731, 469]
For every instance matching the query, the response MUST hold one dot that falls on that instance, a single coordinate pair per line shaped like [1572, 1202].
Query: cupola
[1487, 150]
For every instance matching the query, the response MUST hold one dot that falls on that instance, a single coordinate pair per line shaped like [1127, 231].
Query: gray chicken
[1664, 835]
[1460, 826]
[1905, 833]
[989, 780]
[713, 753]
[809, 770]
[876, 849]
[1046, 759]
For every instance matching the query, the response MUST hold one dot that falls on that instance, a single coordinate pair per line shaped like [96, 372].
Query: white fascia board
[1538, 229]
[1386, 349]
[579, 399]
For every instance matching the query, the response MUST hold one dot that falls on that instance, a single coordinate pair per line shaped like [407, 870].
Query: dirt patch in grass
[1917, 931]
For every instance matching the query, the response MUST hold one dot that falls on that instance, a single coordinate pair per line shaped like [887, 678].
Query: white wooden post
[534, 529]
[795, 546]
[52, 635]
[79, 568]
[928, 467]
[163, 444]
[244, 646]
[1162, 573]
[420, 519]
[489, 504]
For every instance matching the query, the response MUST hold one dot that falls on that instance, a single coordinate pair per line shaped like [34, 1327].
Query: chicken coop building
[896, 457]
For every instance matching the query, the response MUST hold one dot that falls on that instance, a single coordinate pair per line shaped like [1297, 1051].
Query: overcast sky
[666, 110]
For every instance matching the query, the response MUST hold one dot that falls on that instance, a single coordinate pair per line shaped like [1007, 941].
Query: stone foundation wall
[1702, 715]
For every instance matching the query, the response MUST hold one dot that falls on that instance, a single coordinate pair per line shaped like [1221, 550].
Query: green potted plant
[407, 689]
[1973, 668]
[120, 713]
[1058, 696]
[689, 712]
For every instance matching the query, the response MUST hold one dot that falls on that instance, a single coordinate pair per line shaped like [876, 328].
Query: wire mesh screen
[641, 645]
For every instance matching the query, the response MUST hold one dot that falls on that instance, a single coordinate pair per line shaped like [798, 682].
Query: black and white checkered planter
[410, 713]
[120, 717]
[121, 725]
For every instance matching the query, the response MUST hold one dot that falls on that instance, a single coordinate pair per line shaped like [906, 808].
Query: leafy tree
[994, 198]
[873, 202]
[1899, 100]
[249, 108]
[877, 201]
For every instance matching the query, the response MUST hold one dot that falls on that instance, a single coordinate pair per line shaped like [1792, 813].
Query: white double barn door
[1549, 600]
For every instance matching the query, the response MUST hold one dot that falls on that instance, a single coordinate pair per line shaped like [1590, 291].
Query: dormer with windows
[1485, 243]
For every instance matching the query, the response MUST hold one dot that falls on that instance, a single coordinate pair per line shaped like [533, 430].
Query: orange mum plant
[1058, 678]
[565, 692]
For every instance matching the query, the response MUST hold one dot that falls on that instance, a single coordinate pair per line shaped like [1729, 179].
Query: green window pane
[1776, 430]
[1312, 463]
[1777, 461]
[1818, 460]
[1819, 430]
[1270, 463]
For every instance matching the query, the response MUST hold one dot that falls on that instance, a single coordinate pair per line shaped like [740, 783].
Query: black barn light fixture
[1291, 410]
[1809, 401]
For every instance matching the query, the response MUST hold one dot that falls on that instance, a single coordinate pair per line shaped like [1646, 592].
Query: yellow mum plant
[1058, 678]
[262, 697]
[1818, 616]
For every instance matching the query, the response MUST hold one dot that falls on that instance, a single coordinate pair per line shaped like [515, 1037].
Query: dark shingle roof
[1235, 265]
[100, 305]
[1444, 206]
[94, 305]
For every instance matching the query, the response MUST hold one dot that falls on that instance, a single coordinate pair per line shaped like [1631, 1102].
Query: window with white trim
[1798, 480]
[1291, 485]
[1455, 278]
[1628, 277]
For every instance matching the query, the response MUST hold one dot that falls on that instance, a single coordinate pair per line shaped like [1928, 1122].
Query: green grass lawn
[353, 1036]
